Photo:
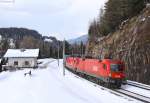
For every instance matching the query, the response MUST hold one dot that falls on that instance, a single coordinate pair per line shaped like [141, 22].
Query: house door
[27, 64]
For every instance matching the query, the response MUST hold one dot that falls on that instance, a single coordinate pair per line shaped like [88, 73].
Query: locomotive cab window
[104, 66]
[116, 67]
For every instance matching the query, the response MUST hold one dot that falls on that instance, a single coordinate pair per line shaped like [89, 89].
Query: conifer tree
[116, 11]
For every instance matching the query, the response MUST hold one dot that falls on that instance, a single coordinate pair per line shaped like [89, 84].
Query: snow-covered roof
[22, 53]
[48, 40]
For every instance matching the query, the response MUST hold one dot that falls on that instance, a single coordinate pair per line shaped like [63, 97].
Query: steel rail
[139, 85]
[134, 95]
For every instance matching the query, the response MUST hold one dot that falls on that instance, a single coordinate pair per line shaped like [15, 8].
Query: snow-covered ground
[50, 86]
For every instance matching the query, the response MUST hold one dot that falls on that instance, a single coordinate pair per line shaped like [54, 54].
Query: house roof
[21, 53]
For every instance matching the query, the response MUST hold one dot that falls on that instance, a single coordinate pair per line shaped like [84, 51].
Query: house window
[15, 63]
[26, 62]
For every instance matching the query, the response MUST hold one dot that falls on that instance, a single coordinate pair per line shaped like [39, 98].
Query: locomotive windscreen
[116, 67]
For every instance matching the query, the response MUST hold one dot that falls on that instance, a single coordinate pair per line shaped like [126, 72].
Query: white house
[21, 58]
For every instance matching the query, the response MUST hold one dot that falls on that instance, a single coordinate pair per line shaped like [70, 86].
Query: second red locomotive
[110, 72]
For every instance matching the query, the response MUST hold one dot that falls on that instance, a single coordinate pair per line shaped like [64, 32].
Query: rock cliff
[131, 43]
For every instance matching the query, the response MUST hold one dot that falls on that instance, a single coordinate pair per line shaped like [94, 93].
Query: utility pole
[64, 59]
[58, 53]
[82, 51]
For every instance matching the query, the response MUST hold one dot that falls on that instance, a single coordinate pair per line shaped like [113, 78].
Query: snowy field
[48, 85]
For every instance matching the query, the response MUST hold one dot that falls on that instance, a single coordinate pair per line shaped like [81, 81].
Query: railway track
[119, 92]
[139, 85]
[134, 95]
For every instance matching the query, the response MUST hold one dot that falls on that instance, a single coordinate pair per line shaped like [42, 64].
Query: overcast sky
[60, 18]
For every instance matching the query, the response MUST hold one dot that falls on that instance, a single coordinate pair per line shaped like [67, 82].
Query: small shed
[21, 58]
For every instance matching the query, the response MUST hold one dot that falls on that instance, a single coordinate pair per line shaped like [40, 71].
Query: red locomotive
[109, 72]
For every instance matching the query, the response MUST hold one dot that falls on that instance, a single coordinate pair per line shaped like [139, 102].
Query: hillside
[18, 33]
[29, 39]
[131, 43]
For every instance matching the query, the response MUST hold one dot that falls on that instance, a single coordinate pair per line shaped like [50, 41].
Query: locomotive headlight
[109, 74]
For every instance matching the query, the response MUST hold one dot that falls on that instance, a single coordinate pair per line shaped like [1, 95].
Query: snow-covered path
[50, 86]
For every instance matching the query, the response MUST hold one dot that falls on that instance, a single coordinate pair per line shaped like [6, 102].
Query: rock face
[131, 44]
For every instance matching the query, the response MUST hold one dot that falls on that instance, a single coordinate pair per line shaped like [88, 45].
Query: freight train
[108, 72]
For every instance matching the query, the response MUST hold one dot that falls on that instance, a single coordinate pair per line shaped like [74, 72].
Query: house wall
[21, 62]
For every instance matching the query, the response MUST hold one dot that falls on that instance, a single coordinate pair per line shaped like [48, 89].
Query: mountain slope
[78, 40]
[131, 43]
[26, 38]
[18, 33]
